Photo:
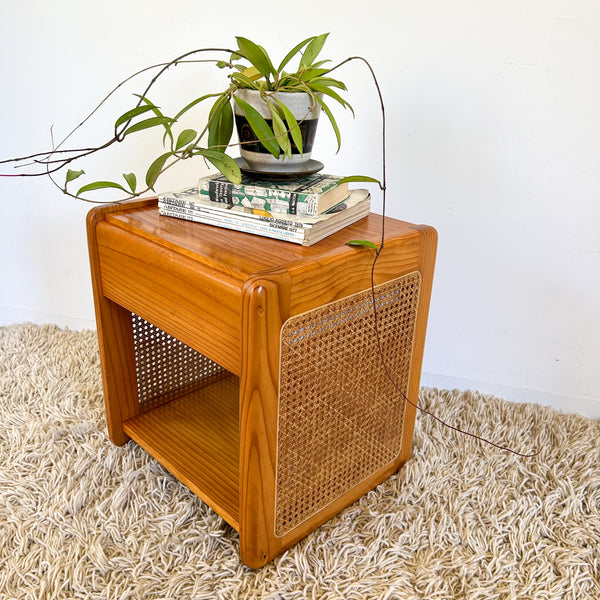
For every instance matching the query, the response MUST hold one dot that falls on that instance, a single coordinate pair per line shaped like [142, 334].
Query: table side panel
[427, 255]
[405, 253]
[341, 274]
[115, 342]
[191, 302]
[268, 302]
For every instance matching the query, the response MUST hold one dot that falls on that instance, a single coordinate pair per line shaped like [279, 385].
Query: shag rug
[82, 518]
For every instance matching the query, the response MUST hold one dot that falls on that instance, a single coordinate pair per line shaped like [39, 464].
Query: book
[192, 205]
[309, 196]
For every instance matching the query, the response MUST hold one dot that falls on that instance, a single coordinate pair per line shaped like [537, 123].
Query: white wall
[494, 138]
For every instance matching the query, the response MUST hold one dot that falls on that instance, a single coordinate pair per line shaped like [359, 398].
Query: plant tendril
[389, 375]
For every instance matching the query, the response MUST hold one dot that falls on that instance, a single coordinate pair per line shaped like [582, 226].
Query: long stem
[78, 153]
[167, 66]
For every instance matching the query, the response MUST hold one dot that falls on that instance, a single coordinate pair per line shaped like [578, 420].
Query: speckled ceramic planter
[254, 153]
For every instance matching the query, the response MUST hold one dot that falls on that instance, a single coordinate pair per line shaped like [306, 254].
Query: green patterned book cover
[308, 196]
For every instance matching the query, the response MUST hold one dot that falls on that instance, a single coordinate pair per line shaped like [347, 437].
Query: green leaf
[98, 185]
[192, 104]
[134, 112]
[323, 89]
[292, 125]
[244, 81]
[293, 52]
[359, 178]
[147, 123]
[158, 113]
[330, 82]
[319, 64]
[256, 55]
[130, 178]
[224, 163]
[310, 74]
[280, 130]
[155, 169]
[312, 50]
[332, 120]
[260, 127]
[220, 127]
[364, 243]
[187, 136]
[71, 175]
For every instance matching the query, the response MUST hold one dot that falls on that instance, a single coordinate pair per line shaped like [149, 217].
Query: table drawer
[182, 297]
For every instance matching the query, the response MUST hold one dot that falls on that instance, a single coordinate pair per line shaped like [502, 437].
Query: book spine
[221, 191]
[231, 223]
[237, 218]
[172, 203]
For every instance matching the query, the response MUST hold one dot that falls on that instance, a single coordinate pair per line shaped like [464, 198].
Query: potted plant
[276, 112]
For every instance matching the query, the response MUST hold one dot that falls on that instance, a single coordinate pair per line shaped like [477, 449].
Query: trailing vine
[250, 67]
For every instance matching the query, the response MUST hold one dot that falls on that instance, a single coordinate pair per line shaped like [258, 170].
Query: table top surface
[242, 252]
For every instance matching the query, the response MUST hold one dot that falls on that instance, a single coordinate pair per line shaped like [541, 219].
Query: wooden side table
[250, 368]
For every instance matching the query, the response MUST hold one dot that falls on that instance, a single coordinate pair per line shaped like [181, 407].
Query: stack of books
[303, 211]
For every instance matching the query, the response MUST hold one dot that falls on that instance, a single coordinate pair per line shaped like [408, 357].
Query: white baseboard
[587, 407]
[10, 315]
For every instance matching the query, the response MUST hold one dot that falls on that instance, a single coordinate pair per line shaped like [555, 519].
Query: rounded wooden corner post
[265, 308]
[427, 253]
[115, 340]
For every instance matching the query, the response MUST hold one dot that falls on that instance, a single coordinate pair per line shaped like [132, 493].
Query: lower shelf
[196, 437]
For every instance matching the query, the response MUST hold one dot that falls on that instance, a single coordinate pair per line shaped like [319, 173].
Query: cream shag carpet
[82, 518]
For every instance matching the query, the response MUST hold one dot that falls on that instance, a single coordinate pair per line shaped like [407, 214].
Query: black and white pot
[254, 153]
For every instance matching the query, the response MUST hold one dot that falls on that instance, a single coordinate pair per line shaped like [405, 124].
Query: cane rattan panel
[165, 367]
[340, 416]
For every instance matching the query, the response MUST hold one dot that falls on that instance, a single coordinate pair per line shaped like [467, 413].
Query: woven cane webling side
[166, 368]
[340, 417]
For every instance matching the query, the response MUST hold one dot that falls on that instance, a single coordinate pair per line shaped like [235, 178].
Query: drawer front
[193, 303]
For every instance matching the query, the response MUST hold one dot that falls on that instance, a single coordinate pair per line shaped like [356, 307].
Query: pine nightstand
[250, 367]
